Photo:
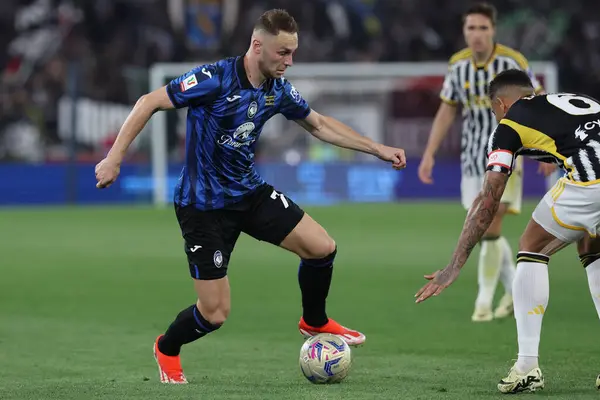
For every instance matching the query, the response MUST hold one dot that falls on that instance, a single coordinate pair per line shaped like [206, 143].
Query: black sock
[588, 258]
[314, 277]
[189, 325]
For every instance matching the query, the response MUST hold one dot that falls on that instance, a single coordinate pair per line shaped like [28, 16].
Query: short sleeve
[197, 87]
[449, 94]
[293, 106]
[503, 145]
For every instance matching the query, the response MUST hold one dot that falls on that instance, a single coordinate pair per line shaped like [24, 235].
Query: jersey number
[275, 195]
[564, 102]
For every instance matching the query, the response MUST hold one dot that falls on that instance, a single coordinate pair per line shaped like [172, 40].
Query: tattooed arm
[478, 220]
[480, 216]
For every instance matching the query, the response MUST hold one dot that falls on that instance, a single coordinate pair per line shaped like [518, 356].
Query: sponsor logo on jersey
[295, 94]
[582, 131]
[241, 136]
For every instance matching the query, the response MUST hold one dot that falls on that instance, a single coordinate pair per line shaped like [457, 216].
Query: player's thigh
[276, 219]
[537, 239]
[309, 240]
[570, 211]
[209, 239]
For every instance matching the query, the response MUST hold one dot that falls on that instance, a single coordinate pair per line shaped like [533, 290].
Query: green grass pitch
[85, 291]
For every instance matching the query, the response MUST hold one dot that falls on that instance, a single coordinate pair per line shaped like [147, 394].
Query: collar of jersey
[243, 80]
[483, 65]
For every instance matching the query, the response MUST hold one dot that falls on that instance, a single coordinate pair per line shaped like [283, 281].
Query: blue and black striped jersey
[226, 115]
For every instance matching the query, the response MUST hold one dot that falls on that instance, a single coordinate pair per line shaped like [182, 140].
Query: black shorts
[210, 236]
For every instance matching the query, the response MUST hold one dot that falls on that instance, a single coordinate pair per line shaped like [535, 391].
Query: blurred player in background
[220, 194]
[469, 72]
[561, 128]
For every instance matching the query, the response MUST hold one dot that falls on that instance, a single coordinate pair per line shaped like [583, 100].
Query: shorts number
[275, 195]
[563, 101]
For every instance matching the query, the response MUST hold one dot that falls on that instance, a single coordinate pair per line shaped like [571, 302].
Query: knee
[321, 249]
[214, 312]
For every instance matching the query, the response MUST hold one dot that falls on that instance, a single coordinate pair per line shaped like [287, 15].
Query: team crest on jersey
[218, 259]
[252, 109]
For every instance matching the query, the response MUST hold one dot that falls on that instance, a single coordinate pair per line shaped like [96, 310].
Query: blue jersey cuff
[301, 116]
[173, 98]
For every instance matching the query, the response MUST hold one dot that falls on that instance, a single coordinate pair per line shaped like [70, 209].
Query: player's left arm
[503, 146]
[332, 131]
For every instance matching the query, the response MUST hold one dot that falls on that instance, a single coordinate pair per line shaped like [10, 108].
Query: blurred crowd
[104, 47]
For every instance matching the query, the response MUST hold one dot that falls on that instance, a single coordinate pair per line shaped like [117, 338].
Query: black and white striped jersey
[466, 84]
[561, 128]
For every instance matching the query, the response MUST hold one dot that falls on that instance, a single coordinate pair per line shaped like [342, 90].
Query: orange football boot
[169, 367]
[353, 338]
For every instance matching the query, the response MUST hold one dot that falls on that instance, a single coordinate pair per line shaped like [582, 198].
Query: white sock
[488, 270]
[508, 268]
[531, 290]
[593, 274]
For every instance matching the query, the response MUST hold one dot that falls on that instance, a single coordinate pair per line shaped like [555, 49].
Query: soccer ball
[325, 358]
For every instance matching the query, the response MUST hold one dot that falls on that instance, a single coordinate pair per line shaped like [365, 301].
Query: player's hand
[438, 281]
[107, 172]
[426, 169]
[546, 169]
[394, 155]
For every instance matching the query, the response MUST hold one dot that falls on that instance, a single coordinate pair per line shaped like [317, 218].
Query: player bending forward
[220, 194]
[562, 128]
[469, 72]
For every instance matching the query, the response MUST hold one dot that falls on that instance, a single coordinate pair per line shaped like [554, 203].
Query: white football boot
[517, 382]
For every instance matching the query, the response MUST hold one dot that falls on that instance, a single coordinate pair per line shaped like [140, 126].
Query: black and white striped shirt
[561, 128]
[466, 83]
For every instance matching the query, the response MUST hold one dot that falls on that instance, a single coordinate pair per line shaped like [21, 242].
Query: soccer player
[469, 72]
[220, 194]
[562, 128]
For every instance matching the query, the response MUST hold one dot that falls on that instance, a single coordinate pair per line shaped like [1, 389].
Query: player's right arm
[195, 88]
[503, 146]
[441, 125]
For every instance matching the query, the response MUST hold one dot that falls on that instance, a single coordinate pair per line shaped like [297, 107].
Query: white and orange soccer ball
[325, 358]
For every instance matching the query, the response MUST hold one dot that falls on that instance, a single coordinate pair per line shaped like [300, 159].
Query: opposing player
[220, 194]
[469, 72]
[561, 128]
